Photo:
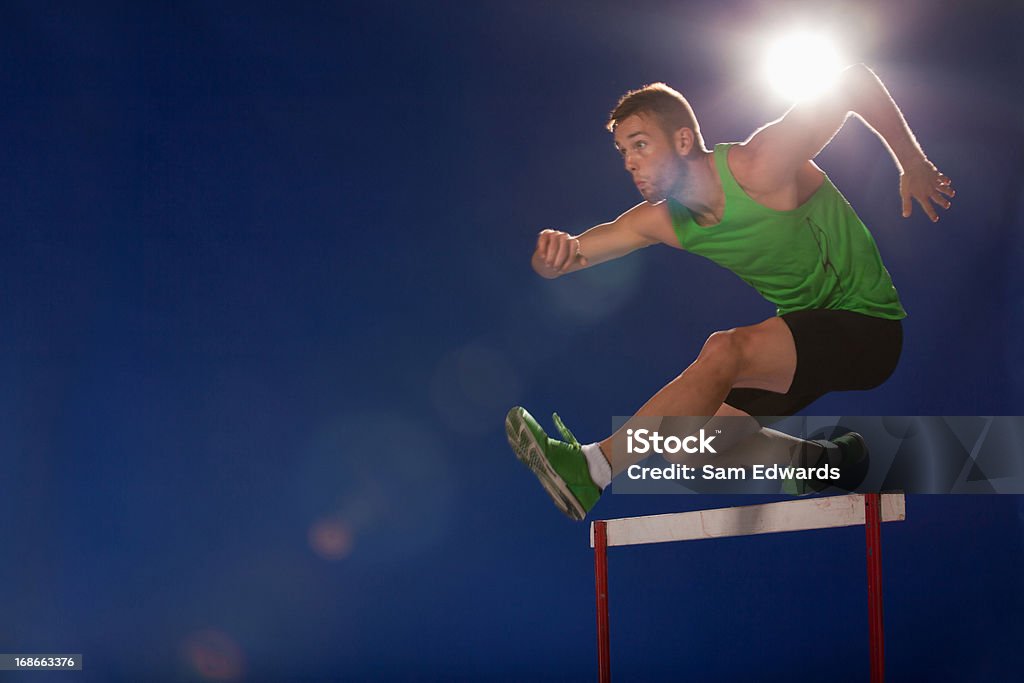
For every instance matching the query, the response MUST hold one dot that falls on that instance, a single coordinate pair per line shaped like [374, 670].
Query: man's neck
[703, 194]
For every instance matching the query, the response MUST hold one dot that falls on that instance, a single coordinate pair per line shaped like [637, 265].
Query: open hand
[924, 183]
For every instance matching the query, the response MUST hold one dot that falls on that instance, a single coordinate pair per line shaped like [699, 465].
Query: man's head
[670, 109]
[657, 134]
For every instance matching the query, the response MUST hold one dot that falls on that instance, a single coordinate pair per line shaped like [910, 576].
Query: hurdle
[869, 509]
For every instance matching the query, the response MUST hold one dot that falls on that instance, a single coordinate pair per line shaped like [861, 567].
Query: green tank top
[818, 255]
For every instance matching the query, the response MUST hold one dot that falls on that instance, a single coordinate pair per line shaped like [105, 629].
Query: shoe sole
[804, 488]
[865, 453]
[524, 445]
[863, 464]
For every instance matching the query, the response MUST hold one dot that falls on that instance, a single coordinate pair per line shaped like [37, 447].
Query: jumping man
[765, 211]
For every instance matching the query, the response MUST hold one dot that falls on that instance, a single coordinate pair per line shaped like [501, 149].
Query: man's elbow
[852, 83]
[854, 74]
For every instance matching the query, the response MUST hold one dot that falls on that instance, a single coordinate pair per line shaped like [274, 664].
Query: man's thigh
[834, 351]
[842, 350]
[769, 356]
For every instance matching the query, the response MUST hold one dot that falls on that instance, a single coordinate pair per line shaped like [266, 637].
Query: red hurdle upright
[873, 530]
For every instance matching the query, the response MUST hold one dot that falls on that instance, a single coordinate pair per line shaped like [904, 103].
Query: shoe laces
[566, 434]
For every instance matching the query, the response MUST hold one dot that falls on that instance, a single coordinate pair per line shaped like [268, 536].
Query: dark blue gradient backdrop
[266, 299]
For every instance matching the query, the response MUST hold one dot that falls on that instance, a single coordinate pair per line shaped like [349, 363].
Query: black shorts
[835, 351]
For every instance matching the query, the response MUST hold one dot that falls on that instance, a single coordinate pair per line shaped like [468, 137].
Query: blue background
[266, 298]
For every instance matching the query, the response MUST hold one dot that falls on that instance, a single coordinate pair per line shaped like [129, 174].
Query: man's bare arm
[558, 253]
[779, 149]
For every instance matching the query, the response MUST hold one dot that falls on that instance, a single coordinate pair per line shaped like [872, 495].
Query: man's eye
[640, 145]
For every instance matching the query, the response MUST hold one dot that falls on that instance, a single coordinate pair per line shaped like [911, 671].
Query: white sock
[600, 470]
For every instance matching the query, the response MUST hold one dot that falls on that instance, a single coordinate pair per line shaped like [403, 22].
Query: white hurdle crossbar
[792, 515]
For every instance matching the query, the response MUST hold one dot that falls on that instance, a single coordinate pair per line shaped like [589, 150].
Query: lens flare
[330, 538]
[214, 655]
[802, 64]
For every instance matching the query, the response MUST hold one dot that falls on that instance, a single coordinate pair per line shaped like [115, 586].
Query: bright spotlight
[802, 64]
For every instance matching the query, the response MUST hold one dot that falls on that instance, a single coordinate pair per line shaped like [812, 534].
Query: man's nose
[630, 163]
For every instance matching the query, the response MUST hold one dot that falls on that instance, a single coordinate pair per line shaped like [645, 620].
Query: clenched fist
[556, 253]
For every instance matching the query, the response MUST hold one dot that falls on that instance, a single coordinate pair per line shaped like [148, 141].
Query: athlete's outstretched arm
[781, 147]
[558, 253]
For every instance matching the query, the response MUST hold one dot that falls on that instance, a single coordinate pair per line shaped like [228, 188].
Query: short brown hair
[670, 107]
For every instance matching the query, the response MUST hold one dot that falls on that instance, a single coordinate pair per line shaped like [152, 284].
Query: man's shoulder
[746, 161]
[753, 168]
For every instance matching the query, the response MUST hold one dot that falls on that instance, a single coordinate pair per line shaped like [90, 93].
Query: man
[764, 210]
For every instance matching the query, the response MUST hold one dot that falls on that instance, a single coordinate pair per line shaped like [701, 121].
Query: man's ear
[683, 140]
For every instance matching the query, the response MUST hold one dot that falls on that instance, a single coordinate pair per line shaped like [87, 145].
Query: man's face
[649, 156]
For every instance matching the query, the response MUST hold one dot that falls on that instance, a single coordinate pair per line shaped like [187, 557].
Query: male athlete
[765, 211]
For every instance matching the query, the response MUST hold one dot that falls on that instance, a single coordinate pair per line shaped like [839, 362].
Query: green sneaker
[560, 465]
[848, 452]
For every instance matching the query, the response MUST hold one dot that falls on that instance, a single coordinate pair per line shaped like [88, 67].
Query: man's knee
[725, 349]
